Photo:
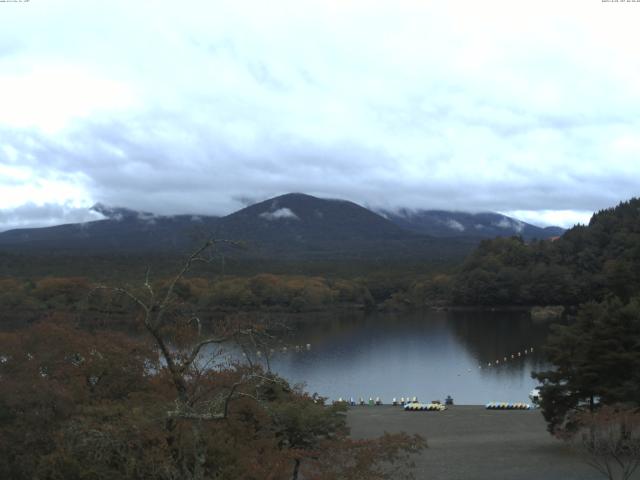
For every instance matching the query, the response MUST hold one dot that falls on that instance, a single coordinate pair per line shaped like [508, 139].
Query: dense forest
[266, 291]
[586, 263]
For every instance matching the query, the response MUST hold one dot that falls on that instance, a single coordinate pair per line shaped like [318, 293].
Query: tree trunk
[296, 469]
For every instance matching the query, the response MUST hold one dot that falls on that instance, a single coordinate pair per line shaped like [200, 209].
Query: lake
[425, 354]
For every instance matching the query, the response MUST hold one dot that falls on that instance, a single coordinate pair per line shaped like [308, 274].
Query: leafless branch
[196, 350]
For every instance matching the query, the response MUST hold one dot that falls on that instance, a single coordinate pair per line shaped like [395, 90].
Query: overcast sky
[530, 108]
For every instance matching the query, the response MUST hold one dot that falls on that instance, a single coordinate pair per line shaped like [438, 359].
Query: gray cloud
[205, 109]
[30, 215]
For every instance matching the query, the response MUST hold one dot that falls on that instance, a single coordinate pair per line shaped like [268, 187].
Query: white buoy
[308, 346]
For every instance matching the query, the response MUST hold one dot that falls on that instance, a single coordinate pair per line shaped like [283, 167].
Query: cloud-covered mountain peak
[442, 223]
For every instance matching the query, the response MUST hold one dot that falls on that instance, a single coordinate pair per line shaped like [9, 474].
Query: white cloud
[279, 214]
[50, 97]
[544, 218]
[510, 224]
[45, 215]
[455, 225]
[492, 105]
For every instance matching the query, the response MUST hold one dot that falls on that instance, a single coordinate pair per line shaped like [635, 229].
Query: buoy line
[506, 358]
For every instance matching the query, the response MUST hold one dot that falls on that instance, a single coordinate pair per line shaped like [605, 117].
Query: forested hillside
[586, 263]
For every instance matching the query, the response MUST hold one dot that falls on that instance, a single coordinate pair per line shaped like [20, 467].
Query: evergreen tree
[596, 362]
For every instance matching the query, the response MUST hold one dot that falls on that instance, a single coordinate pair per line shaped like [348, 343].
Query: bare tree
[177, 333]
[609, 441]
[203, 393]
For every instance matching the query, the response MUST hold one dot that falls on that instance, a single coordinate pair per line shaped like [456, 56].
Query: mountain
[440, 223]
[122, 230]
[289, 227]
[294, 226]
[296, 220]
[300, 226]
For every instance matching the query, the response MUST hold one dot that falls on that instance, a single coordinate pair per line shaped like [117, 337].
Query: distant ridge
[292, 226]
[441, 223]
[123, 231]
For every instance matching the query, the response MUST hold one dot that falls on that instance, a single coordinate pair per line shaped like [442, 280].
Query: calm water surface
[427, 354]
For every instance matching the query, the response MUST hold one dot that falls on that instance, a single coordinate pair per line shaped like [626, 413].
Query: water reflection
[427, 354]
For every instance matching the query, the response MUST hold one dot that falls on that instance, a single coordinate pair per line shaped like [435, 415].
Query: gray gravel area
[470, 442]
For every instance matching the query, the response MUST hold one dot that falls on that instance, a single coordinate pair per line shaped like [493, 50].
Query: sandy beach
[472, 443]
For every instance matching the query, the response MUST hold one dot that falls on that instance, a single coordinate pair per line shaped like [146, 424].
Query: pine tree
[596, 361]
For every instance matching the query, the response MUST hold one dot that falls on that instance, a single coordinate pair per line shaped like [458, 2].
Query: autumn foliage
[159, 402]
[78, 405]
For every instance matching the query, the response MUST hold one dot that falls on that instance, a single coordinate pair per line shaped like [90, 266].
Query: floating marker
[308, 346]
